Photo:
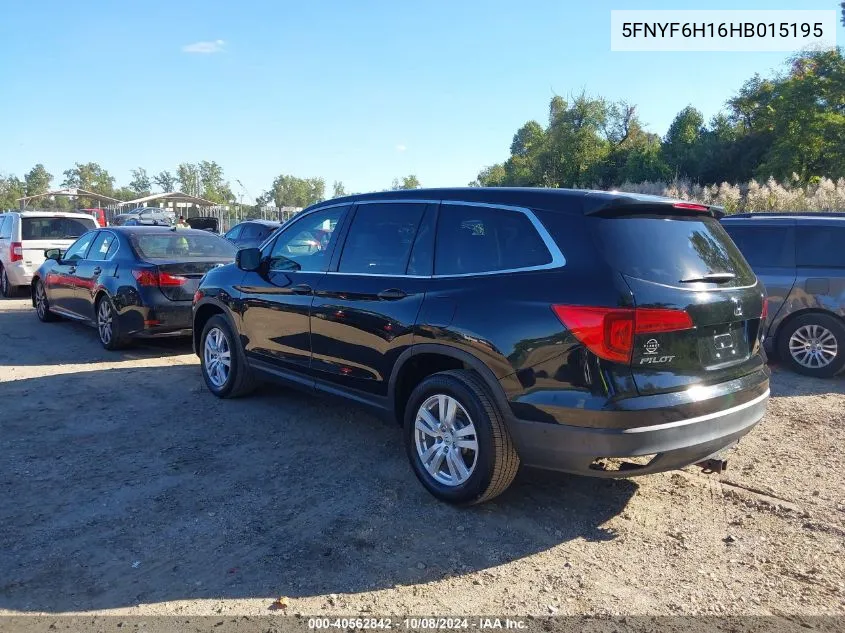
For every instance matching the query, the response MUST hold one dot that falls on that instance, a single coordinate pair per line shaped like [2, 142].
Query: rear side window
[3, 221]
[764, 245]
[478, 239]
[380, 238]
[820, 246]
[101, 246]
[55, 228]
[670, 249]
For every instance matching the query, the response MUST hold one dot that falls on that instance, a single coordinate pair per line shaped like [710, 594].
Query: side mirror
[53, 253]
[248, 259]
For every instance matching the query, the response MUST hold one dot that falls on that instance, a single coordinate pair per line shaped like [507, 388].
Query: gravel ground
[125, 487]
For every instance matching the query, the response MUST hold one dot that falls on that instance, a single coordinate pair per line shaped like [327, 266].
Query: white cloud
[401, 148]
[204, 47]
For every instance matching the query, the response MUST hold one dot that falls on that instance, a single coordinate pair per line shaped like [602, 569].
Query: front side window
[234, 232]
[380, 238]
[79, 248]
[820, 246]
[477, 239]
[306, 243]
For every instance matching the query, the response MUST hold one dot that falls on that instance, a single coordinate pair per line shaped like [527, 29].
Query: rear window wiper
[713, 278]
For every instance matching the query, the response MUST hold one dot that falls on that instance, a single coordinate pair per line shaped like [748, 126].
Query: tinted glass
[306, 243]
[100, 247]
[113, 248]
[48, 228]
[79, 248]
[474, 239]
[234, 232]
[668, 250]
[422, 255]
[380, 238]
[168, 244]
[251, 231]
[820, 246]
[764, 245]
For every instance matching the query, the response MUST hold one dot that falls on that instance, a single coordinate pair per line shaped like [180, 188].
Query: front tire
[223, 363]
[456, 439]
[42, 304]
[108, 325]
[813, 345]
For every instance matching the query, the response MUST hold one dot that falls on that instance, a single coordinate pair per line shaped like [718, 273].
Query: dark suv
[589, 332]
[800, 258]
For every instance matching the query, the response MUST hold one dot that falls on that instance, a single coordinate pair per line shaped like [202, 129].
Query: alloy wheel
[813, 346]
[446, 440]
[104, 321]
[40, 301]
[217, 357]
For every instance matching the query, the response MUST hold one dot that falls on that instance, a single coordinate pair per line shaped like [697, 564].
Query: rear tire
[108, 325]
[456, 463]
[6, 289]
[42, 304]
[813, 344]
[219, 346]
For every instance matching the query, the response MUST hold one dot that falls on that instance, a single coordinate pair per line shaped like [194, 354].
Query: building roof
[172, 196]
[70, 192]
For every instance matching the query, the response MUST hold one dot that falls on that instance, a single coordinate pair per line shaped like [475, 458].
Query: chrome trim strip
[701, 418]
[558, 259]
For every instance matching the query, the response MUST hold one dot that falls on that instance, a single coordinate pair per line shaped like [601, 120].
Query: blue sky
[360, 92]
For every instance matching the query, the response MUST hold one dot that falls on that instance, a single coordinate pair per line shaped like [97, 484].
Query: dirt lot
[126, 487]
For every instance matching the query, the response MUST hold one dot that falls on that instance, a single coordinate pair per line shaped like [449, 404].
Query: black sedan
[128, 281]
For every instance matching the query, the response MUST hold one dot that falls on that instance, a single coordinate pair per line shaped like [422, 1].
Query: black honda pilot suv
[596, 333]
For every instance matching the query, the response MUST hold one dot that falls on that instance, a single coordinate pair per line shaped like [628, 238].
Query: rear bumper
[19, 274]
[157, 317]
[674, 444]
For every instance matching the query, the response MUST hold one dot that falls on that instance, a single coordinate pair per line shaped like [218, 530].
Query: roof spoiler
[611, 204]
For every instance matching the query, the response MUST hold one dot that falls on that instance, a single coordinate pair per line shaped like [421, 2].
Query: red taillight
[148, 277]
[609, 332]
[691, 206]
[15, 251]
[199, 294]
[765, 309]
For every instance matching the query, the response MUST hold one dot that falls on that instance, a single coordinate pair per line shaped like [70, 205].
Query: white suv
[25, 235]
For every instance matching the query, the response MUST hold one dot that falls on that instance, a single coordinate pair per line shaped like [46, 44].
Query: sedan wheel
[446, 440]
[104, 322]
[217, 355]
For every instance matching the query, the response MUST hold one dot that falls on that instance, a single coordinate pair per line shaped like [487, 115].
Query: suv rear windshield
[53, 228]
[670, 249]
[168, 244]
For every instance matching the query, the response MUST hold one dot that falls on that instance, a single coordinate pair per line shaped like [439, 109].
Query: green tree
[188, 175]
[11, 188]
[682, 143]
[214, 186]
[165, 181]
[140, 183]
[290, 191]
[338, 189]
[407, 182]
[492, 176]
[37, 180]
[91, 177]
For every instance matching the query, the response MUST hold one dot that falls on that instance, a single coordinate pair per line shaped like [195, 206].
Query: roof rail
[782, 214]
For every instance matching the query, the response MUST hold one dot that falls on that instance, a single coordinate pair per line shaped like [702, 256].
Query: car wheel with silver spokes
[217, 355]
[42, 305]
[446, 440]
[813, 344]
[456, 438]
[224, 367]
[108, 324]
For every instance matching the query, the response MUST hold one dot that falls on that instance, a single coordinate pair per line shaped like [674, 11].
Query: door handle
[301, 289]
[392, 294]
[97, 270]
[72, 269]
